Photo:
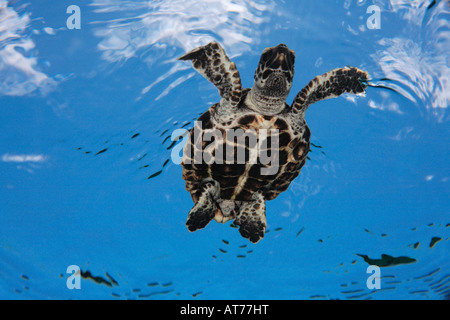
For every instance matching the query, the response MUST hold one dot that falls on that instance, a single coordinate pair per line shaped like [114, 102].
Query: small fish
[166, 284]
[101, 151]
[165, 139]
[142, 295]
[142, 157]
[434, 240]
[163, 132]
[97, 279]
[155, 174]
[300, 232]
[387, 260]
[432, 4]
[111, 279]
[152, 284]
[172, 145]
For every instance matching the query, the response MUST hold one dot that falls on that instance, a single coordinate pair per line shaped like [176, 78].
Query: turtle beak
[280, 58]
[276, 66]
[286, 57]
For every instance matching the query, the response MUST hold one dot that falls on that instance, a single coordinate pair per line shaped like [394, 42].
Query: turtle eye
[287, 74]
[266, 74]
[265, 56]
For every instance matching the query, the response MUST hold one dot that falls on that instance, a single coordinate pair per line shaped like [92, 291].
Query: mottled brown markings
[280, 124]
[284, 139]
[293, 136]
[227, 192]
[246, 120]
[212, 62]
[283, 157]
[307, 134]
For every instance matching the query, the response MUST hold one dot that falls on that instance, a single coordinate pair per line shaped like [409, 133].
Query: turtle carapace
[251, 145]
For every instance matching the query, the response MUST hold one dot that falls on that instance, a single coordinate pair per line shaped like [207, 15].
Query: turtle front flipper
[251, 218]
[212, 62]
[205, 209]
[330, 85]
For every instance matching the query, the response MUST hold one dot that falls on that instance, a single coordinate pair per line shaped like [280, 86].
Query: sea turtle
[225, 190]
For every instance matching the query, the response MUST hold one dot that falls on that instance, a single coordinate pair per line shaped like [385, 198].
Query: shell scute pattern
[250, 146]
[239, 181]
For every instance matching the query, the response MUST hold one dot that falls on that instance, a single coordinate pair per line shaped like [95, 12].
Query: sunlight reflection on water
[182, 24]
[419, 62]
[19, 73]
[167, 26]
[150, 35]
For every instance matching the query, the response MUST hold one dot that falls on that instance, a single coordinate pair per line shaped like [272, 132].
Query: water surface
[87, 177]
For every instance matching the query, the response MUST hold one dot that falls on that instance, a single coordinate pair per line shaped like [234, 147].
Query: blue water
[87, 177]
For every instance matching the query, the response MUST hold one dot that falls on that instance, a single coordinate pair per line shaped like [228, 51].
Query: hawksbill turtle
[225, 190]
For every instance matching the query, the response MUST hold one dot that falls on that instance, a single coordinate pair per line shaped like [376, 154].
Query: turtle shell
[211, 141]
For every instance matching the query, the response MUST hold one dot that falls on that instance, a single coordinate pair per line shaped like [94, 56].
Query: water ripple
[18, 71]
[418, 61]
[167, 25]
[160, 31]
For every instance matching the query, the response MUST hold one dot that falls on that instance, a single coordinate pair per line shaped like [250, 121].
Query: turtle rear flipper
[212, 62]
[251, 218]
[204, 210]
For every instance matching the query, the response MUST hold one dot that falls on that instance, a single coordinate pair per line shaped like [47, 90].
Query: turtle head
[273, 80]
[275, 71]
